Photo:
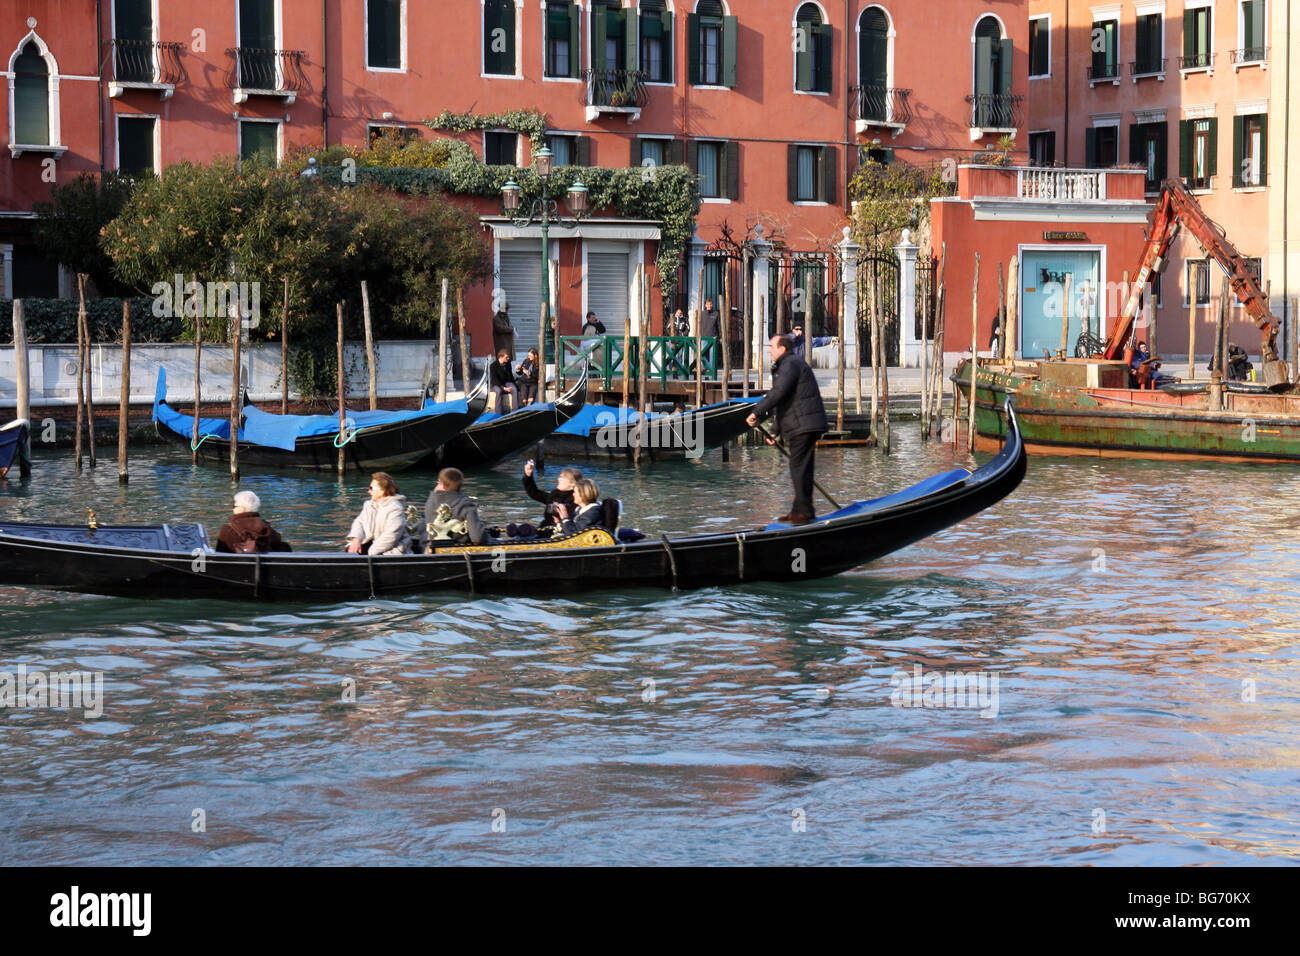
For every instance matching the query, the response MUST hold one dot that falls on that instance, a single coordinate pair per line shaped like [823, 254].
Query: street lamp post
[544, 209]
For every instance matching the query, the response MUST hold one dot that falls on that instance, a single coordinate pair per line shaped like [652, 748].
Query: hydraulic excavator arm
[1175, 207]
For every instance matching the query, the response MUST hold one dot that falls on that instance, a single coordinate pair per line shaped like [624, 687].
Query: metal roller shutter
[607, 289]
[520, 277]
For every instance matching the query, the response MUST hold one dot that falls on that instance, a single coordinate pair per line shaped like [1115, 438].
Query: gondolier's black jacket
[795, 397]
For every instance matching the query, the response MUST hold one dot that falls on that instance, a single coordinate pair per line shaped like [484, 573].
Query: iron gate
[878, 275]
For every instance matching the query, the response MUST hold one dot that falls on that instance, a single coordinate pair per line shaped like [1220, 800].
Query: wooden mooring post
[122, 425]
[370, 338]
[974, 355]
[343, 438]
[22, 373]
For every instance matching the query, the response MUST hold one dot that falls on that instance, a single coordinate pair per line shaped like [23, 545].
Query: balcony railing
[995, 111]
[1197, 61]
[1250, 54]
[147, 65]
[258, 72]
[1107, 71]
[1147, 67]
[615, 91]
[1059, 184]
[882, 105]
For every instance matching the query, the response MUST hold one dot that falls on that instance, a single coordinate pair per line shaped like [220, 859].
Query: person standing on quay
[503, 333]
[710, 330]
[800, 418]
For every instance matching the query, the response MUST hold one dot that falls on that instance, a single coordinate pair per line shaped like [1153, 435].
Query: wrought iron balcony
[995, 112]
[620, 92]
[1140, 68]
[1249, 55]
[258, 72]
[141, 64]
[1197, 61]
[885, 106]
[1107, 71]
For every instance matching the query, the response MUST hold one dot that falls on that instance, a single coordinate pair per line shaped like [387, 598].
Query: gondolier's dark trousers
[802, 446]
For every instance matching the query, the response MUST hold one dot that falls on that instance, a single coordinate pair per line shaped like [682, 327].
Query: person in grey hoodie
[381, 526]
[463, 507]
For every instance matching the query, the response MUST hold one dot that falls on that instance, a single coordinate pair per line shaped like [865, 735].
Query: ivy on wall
[532, 123]
[666, 194]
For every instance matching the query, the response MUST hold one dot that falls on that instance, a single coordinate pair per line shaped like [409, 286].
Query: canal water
[1115, 648]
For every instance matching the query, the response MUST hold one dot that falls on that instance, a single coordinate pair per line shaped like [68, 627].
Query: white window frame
[661, 138]
[974, 67]
[1241, 36]
[279, 45]
[726, 12]
[518, 144]
[574, 135]
[668, 7]
[55, 145]
[721, 144]
[279, 137]
[1111, 11]
[794, 57]
[383, 125]
[1048, 74]
[1029, 153]
[518, 74]
[584, 12]
[157, 138]
[365, 41]
[1111, 120]
[112, 23]
[1197, 5]
[1253, 108]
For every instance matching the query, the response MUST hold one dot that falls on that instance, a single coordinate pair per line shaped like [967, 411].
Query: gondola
[176, 561]
[606, 431]
[14, 446]
[373, 441]
[494, 437]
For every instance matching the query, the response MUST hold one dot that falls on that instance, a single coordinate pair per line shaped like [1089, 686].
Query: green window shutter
[1214, 146]
[983, 65]
[803, 58]
[1141, 35]
[1098, 55]
[676, 153]
[1162, 151]
[729, 31]
[1136, 144]
[135, 138]
[692, 156]
[599, 33]
[257, 24]
[1090, 148]
[1257, 24]
[1263, 149]
[823, 36]
[575, 41]
[666, 27]
[1189, 33]
[826, 180]
[31, 98]
[731, 158]
[630, 39]
[693, 47]
[1051, 147]
[1238, 149]
[792, 173]
[499, 37]
[1006, 76]
[634, 152]
[1185, 132]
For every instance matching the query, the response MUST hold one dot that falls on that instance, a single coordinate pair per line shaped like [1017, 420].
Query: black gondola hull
[682, 435]
[485, 443]
[72, 559]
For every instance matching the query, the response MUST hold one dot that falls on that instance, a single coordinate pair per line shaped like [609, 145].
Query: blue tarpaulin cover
[283, 431]
[593, 417]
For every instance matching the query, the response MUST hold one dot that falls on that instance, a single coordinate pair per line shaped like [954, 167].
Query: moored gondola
[494, 437]
[14, 446]
[606, 431]
[380, 440]
[176, 561]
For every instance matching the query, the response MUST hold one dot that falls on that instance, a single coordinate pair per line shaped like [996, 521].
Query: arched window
[993, 108]
[711, 44]
[31, 120]
[812, 50]
[873, 64]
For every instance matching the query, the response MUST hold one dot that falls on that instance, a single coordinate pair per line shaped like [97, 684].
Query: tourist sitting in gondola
[246, 532]
[586, 512]
[561, 494]
[381, 526]
[450, 516]
[526, 378]
[502, 380]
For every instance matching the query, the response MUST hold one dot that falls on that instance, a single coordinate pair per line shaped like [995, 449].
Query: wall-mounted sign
[1065, 236]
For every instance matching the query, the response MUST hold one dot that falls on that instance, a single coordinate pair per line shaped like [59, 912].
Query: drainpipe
[848, 51]
[1065, 130]
[99, 55]
[324, 78]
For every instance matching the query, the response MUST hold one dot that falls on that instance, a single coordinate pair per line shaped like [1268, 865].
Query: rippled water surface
[1140, 619]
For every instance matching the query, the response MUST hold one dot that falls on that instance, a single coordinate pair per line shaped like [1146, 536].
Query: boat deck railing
[668, 357]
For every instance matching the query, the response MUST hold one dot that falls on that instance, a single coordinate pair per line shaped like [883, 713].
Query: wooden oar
[772, 440]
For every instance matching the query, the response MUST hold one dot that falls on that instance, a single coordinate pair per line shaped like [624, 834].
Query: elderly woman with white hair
[246, 532]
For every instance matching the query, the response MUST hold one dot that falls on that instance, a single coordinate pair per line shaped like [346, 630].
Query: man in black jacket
[800, 418]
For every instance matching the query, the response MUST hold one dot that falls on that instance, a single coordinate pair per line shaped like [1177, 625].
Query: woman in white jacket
[381, 526]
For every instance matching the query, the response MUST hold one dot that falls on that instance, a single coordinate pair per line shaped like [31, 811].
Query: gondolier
[800, 417]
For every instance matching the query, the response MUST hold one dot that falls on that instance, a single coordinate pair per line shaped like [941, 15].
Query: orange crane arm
[1174, 207]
